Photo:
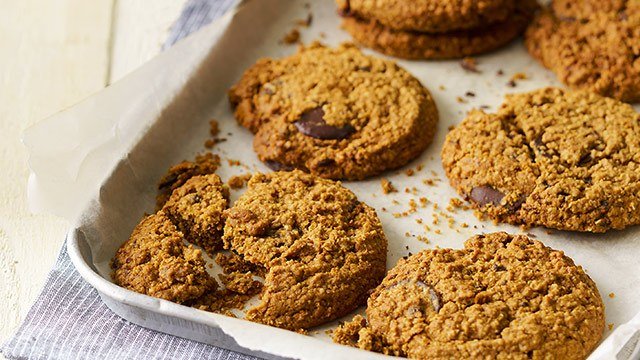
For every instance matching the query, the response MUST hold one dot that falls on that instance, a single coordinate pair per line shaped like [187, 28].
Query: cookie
[334, 112]
[156, 262]
[501, 297]
[431, 16]
[197, 207]
[592, 50]
[453, 44]
[323, 250]
[560, 159]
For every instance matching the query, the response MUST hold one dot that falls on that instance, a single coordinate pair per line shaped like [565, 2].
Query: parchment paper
[98, 163]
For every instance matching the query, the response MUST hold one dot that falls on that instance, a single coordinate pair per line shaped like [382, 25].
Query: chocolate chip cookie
[322, 248]
[452, 44]
[560, 159]
[431, 16]
[591, 45]
[501, 297]
[155, 261]
[334, 112]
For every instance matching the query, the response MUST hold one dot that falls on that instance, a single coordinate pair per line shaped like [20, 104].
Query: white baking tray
[97, 164]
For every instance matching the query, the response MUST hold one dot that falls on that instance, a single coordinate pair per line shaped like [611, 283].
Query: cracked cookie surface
[431, 16]
[453, 44]
[155, 261]
[197, 208]
[591, 45]
[502, 296]
[334, 112]
[322, 248]
[560, 159]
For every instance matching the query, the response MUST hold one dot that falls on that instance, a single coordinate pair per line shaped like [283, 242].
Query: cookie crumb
[233, 162]
[519, 76]
[610, 326]
[214, 131]
[292, 37]
[461, 100]
[470, 64]
[470, 94]
[238, 181]
[214, 127]
[387, 186]
[409, 172]
[612, 295]
[306, 22]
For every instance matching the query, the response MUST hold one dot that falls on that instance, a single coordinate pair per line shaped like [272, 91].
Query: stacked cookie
[592, 45]
[435, 29]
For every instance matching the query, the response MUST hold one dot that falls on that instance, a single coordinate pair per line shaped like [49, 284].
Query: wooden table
[53, 54]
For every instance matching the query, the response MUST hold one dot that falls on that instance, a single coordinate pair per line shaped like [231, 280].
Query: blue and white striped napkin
[68, 319]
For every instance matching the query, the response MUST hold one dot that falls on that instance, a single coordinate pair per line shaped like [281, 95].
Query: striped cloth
[68, 319]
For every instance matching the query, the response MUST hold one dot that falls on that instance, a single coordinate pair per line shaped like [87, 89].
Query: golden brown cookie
[501, 297]
[453, 44]
[155, 261]
[334, 112]
[197, 207]
[323, 249]
[560, 159]
[431, 16]
[593, 50]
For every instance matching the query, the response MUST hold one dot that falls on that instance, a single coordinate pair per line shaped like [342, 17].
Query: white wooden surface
[53, 54]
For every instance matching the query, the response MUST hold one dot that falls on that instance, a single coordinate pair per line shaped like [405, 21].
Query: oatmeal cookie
[322, 248]
[334, 112]
[431, 16]
[592, 50]
[197, 207]
[560, 159]
[156, 262]
[453, 44]
[501, 297]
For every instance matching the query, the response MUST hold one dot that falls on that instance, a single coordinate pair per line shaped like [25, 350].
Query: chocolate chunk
[485, 195]
[518, 204]
[345, 10]
[434, 298]
[326, 162]
[585, 160]
[312, 124]
[276, 166]
[499, 267]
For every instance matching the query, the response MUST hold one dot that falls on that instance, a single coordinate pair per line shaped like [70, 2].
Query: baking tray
[119, 142]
